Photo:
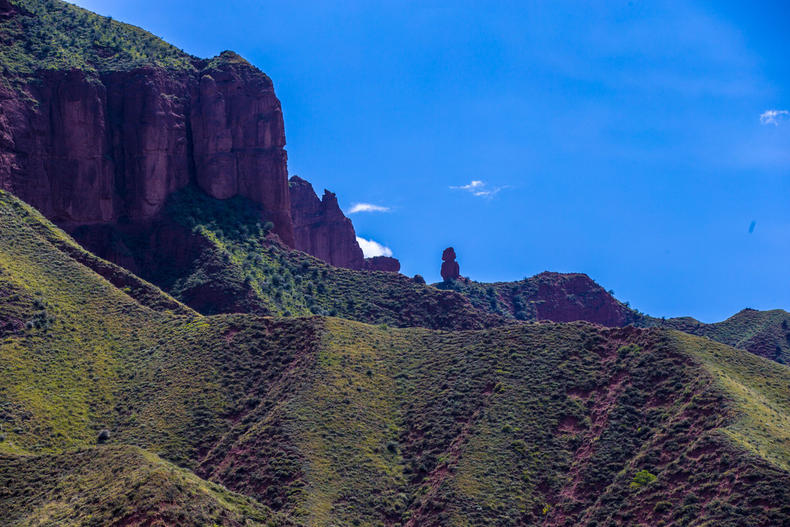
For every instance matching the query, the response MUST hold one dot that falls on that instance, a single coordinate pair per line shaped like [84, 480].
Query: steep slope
[764, 333]
[330, 421]
[118, 486]
[225, 262]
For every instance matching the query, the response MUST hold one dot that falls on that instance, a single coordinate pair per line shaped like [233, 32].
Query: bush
[104, 436]
[642, 478]
[418, 279]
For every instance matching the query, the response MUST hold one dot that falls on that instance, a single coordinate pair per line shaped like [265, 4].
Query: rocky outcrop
[382, 263]
[566, 297]
[321, 229]
[450, 268]
[88, 148]
[239, 141]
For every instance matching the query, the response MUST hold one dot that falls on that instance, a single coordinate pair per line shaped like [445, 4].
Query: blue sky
[619, 139]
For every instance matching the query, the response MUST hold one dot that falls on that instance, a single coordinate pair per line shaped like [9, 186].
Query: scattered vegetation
[642, 478]
[55, 35]
[120, 485]
[330, 421]
[240, 261]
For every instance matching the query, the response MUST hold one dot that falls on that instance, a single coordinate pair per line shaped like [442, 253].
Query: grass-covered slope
[765, 333]
[51, 34]
[118, 486]
[545, 424]
[335, 422]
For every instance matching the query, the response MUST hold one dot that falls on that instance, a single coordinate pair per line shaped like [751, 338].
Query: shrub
[642, 478]
[104, 436]
[418, 279]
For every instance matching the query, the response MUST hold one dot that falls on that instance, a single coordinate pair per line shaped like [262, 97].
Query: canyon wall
[89, 148]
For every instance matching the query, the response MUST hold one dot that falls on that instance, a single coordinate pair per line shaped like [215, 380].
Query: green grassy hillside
[118, 485]
[51, 34]
[765, 333]
[334, 422]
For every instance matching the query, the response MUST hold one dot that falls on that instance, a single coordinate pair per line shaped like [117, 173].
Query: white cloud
[367, 207]
[773, 116]
[479, 188]
[372, 248]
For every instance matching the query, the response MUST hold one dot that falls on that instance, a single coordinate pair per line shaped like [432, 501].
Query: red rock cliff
[566, 297]
[106, 143]
[88, 148]
[321, 229]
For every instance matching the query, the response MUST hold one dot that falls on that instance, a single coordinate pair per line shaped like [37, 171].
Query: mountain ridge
[194, 365]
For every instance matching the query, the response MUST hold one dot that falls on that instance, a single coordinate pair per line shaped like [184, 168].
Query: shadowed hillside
[227, 263]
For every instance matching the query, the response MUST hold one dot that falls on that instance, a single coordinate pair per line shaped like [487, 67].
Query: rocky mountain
[200, 341]
[101, 123]
[559, 297]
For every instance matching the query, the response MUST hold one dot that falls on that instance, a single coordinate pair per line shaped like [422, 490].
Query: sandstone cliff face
[57, 152]
[87, 148]
[321, 228]
[239, 141]
[566, 297]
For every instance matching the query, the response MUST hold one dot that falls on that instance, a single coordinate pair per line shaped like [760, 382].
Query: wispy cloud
[479, 188]
[371, 248]
[773, 117]
[367, 207]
